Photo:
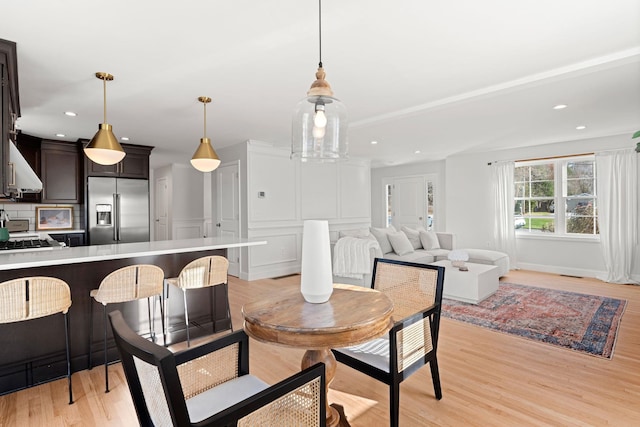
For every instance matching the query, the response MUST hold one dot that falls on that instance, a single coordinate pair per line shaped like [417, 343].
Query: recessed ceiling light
[60, 135]
[374, 142]
[124, 138]
[70, 113]
[581, 127]
[417, 152]
[559, 107]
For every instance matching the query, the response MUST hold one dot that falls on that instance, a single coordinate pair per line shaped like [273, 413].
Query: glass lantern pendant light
[205, 158]
[319, 129]
[104, 148]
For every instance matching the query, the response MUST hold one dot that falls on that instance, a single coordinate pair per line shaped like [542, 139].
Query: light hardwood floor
[488, 378]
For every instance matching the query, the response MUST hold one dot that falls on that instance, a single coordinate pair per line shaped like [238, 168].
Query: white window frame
[560, 199]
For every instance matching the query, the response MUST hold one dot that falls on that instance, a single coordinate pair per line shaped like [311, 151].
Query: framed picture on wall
[54, 217]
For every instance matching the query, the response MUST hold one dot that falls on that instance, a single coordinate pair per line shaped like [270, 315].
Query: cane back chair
[203, 272]
[127, 284]
[33, 297]
[416, 292]
[210, 385]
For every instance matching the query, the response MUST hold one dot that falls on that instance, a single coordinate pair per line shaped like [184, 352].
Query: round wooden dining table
[352, 316]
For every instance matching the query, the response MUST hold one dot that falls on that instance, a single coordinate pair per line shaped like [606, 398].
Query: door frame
[235, 268]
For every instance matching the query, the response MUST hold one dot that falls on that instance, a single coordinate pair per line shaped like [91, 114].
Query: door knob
[218, 224]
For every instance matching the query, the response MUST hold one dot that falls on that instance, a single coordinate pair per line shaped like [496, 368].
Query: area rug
[581, 322]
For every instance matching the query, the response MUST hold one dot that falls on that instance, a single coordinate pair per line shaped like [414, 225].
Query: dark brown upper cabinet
[134, 165]
[61, 173]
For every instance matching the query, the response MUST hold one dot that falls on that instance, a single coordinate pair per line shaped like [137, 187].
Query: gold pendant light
[104, 148]
[319, 129]
[205, 158]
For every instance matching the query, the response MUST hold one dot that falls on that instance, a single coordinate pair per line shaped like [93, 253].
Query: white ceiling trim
[614, 59]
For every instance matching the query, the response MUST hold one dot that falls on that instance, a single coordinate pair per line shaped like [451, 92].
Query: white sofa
[416, 252]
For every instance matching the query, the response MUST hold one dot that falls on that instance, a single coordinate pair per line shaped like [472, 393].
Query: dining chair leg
[212, 308]
[186, 316]
[106, 363]
[226, 294]
[166, 313]
[152, 332]
[66, 339]
[90, 332]
[164, 331]
[394, 404]
[435, 377]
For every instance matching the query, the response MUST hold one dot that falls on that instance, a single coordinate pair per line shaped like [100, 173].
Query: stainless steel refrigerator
[118, 210]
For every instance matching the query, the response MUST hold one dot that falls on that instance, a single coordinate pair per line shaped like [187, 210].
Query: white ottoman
[479, 282]
[484, 256]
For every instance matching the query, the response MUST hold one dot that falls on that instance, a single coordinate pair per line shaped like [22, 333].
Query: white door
[228, 210]
[161, 221]
[408, 205]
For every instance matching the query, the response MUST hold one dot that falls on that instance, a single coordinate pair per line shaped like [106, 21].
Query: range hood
[23, 179]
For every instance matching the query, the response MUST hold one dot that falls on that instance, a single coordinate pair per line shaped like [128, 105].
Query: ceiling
[437, 77]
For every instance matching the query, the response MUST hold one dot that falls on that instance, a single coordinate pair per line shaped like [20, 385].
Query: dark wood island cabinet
[32, 352]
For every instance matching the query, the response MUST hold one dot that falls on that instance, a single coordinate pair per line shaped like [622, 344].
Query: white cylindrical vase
[316, 283]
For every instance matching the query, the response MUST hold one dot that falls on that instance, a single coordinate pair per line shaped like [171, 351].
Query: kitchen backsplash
[28, 211]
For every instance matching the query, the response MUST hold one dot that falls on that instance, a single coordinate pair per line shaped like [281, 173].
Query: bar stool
[33, 297]
[203, 272]
[126, 284]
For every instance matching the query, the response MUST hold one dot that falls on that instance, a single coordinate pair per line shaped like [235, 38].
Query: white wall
[469, 208]
[278, 194]
[186, 213]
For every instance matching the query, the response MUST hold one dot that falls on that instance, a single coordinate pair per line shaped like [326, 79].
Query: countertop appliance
[23, 240]
[118, 210]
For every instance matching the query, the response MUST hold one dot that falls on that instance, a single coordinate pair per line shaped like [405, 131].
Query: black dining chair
[416, 292]
[210, 385]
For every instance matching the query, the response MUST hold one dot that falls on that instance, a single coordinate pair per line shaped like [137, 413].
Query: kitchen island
[32, 352]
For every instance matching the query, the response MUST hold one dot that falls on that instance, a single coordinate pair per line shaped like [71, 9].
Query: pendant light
[319, 129]
[104, 148]
[205, 158]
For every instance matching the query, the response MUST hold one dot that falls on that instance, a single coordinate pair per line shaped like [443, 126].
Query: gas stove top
[26, 244]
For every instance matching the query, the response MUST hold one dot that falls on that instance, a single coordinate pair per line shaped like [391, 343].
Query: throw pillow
[429, 240]
[381, 236]
[414, 237]
[400, 243]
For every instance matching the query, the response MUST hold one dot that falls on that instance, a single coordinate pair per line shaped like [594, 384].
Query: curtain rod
[544, 158]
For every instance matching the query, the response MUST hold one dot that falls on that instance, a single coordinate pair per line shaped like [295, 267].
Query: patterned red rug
[581, 322]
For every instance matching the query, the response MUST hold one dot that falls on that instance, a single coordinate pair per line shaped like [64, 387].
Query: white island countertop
[80, 254]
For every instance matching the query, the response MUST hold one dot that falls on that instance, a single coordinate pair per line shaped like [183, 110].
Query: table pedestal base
[310, 358]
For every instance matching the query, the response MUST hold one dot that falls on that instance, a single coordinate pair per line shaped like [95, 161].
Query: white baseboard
[579, 272]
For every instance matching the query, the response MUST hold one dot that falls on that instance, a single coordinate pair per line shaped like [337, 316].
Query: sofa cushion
[485, 256]
[381, 236]
[439, 254]
[400, 243]
[413, 235]
[429, 240]
[419, 256]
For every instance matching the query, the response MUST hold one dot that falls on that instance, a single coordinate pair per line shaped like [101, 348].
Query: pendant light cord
[205, 119]
[104, 98]
[320, 31]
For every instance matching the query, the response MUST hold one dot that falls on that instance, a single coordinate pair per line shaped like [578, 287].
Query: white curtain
[617, 190]
[504, 234]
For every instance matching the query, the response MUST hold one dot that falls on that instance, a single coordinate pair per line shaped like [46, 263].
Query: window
[556, 196]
